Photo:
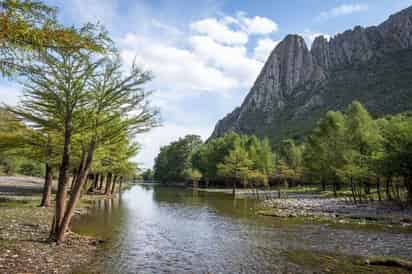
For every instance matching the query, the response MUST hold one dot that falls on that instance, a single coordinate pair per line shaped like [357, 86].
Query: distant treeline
[352, 150]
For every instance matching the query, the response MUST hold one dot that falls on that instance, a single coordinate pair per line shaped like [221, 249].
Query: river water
[155, 229]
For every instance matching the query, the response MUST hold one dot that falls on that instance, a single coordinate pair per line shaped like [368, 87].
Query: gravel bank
[327, 207]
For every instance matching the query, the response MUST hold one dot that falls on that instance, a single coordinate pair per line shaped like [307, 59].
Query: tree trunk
[353, 189]
[102, 177]
[73, 179]
[63, 178]
[408, 185]
[108, 183]
[234, 188]
[323, 185]
[75, 195]
[96, 181]
[388, 188]
[378, 188]
[47, 189]
[113, 185]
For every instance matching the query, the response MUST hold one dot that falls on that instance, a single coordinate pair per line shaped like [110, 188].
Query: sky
[206, 54]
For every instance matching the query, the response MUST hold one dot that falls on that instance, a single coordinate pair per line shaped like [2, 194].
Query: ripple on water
[168, 230]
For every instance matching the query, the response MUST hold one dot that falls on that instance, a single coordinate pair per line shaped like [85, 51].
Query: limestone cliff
[297, 86]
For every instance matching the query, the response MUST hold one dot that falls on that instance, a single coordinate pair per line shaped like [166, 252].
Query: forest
[347, 150]
[79, 111]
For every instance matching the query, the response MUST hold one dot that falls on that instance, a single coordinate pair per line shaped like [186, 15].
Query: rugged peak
[296, 81]
[292, 41]
[397, 30]
[320, 51]
[293, 62]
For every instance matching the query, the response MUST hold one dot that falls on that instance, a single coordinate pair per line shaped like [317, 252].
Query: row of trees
[354, 149]
[80, 110]
[228, 160]
[349, 149]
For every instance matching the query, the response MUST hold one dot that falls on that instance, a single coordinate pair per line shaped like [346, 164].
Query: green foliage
[174, 162]
[236, 165]
[148, 175]
[28, 27]
[231, 157]
[382, 84]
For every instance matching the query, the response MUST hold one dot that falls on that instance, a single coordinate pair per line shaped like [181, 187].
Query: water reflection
[174, 230]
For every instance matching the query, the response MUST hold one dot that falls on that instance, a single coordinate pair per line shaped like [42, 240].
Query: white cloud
[344, 9]
[174, 67]
[233, 61]
[263, 49]
[234, 31]
[258, 25]
[152, 141]
[219, 31]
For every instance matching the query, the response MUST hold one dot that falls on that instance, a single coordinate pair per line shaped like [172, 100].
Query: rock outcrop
[297, 86]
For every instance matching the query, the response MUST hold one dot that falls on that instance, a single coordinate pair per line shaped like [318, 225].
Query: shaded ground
[24, 231]
[21, 185]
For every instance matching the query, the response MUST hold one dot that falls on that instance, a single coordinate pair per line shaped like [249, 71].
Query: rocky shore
[313, 206]
[24, 232]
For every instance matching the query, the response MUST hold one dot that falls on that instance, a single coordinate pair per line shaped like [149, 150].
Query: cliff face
[297, 86]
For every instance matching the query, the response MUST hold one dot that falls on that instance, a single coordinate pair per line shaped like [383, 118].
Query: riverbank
[24, 232]
[305, 205]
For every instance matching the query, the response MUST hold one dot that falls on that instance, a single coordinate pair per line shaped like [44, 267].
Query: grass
[326, 262]
[19, 202]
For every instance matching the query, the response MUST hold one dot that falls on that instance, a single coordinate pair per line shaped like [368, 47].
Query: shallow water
[154, 229]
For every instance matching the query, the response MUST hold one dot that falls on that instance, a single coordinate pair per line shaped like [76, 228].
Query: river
[155, 229]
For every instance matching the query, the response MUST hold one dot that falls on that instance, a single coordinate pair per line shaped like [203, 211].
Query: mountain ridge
[296, 85]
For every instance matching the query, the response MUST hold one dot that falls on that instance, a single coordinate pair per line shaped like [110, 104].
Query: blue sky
[206, 54]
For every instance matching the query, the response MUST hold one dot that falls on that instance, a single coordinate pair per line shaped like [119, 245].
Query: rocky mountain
[297, 86]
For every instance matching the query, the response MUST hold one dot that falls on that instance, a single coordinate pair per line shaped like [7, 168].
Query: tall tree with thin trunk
[117, 108]
[53, 99]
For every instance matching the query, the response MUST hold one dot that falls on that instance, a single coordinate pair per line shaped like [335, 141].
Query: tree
[362, 140]
[53, 99]
[29, 27]
[324, 148]
[397, 147]
[117, 108]
[148, 175]
[36, 146]
[174, 161]
[236, 166]
[290, 159]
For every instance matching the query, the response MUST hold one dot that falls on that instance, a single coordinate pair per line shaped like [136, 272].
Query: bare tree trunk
[75, 195]
[47, 189]
[408, 185]
[353, 189]
[73, 179]
[108, 183]
[113, 185]
[378, 188]
[388, 188]
[323, 185]
[102, 177]
[234, 188]
[63, 178]
[96, 181]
